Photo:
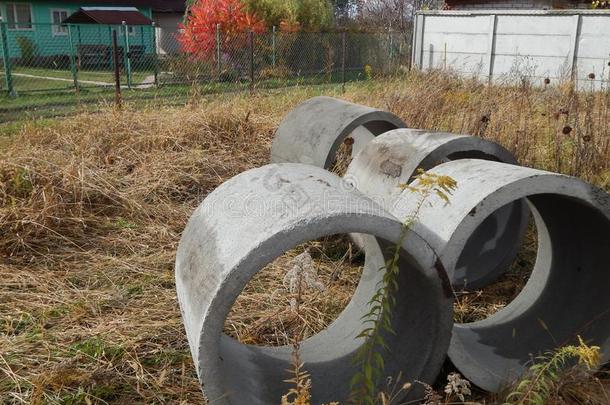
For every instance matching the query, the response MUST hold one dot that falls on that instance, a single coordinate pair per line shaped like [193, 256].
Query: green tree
[274, 11]
[310, 15]
[315, 14]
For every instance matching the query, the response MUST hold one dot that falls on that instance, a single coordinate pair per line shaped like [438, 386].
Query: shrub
[198, 36]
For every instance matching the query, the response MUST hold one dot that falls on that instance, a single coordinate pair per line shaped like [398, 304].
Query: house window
[130, 30]
[19, 16]
[57, 16]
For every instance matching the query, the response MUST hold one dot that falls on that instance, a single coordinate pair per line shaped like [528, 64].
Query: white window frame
[17, 27]
[131, 30]
[55, 27]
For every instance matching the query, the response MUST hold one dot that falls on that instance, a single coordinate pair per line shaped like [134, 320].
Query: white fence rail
[510, 45]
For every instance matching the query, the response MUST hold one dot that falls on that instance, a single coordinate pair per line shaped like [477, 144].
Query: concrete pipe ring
[254, 218]
[566, 295]
[393, 158]
[313, 131]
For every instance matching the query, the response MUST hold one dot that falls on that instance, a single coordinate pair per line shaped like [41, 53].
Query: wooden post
[117, 71]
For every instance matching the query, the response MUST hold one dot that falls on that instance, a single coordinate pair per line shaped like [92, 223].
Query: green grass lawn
[21, 84]
[46, 98]
[39, 83]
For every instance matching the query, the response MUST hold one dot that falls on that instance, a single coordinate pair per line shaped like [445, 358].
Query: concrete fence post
[6, 59]
[491, 44]
[573, 55]
[73, 56]
[417, 59]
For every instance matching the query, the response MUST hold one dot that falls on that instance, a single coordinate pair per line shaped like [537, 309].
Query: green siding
[48, 44]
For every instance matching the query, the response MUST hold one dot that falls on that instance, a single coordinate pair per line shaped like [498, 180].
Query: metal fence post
[343, 52]
[218, 65]
[273, 46]
[126, 55]
[6, 58]
[117, 70]
[73, 59]
[155, 54]
[251, 50]
[390, 49]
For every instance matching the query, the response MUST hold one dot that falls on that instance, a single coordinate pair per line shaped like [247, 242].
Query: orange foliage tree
[198, 35]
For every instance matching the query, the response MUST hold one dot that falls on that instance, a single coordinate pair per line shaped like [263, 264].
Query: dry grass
[263, 314]
[92, 206]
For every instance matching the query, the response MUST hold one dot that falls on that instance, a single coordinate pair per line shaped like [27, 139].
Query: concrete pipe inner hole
[565, 297]
[328, 354]
[474, 305]
[265, 313]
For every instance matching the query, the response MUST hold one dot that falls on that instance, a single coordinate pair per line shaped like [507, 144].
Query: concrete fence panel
[507, 46]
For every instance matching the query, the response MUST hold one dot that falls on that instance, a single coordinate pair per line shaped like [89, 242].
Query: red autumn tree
[198, 34]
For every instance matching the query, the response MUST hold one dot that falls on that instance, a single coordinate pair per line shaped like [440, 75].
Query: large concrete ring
[393, 158]
[255, 217]
[567, 293]
[313, 131]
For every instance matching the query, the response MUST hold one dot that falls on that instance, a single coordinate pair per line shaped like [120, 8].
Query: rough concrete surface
[255, 217]
[566, 295]
[313, 131]
[393, 158]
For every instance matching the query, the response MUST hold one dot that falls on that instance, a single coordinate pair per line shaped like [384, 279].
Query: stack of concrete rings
[475, 238]
[254, 218]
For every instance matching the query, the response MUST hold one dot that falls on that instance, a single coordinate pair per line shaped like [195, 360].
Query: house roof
[159, 6]
[108, 15]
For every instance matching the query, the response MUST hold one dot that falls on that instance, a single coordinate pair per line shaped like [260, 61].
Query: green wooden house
[37, 28]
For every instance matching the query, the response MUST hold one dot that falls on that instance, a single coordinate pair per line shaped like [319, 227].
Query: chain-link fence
[50, 69]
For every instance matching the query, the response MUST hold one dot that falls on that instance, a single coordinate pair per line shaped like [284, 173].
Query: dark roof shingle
[163, 6]
[108, 15]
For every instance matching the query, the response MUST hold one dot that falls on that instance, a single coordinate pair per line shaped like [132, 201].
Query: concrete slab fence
[508, 45]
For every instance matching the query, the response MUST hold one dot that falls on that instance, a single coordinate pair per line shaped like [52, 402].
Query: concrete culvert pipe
[313, 131]
[255, 217]
[566, 295]
[393, 158]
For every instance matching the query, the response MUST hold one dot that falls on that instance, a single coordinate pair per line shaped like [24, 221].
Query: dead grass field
[92, 207]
